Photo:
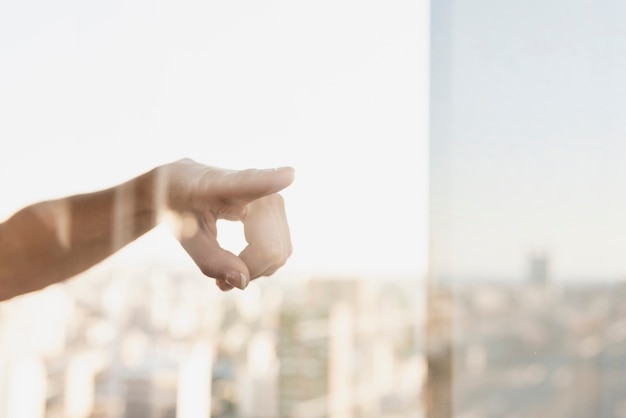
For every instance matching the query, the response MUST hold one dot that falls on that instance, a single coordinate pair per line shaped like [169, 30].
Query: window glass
[526, 203]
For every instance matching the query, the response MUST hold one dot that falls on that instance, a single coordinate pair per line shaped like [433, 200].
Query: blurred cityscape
[535, 348]
[124, 343]
[148, 342]
[531, 351]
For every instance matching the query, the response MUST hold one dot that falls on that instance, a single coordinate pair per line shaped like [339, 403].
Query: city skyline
[152, 342]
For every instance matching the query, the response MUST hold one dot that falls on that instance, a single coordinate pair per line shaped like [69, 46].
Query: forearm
[51, 241]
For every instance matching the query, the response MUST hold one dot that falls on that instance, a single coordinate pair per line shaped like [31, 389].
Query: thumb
[215, 261]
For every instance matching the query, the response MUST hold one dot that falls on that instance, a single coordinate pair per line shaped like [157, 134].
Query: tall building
[304, 363]
[539, 268]
[259, 383]
[439, 353]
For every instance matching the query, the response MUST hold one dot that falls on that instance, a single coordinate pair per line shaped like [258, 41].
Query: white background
[93, 93]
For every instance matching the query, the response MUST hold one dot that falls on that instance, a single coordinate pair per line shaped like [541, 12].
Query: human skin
[51, 241]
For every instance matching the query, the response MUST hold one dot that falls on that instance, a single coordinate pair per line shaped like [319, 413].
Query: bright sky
[92, 93]
[529, 137]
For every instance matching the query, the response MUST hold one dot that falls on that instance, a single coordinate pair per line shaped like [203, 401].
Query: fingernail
[238, 280]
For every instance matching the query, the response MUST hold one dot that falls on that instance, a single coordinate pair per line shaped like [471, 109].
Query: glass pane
[526, 208]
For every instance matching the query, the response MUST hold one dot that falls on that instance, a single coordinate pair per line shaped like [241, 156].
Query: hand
[201, 195]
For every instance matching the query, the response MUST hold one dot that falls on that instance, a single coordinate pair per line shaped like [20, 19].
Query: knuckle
[275, 255]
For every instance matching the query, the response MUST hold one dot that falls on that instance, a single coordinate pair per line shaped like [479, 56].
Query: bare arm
[51, 241]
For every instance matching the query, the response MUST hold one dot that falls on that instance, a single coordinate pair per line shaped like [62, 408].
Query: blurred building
[538, 266]
[303, 374]
[439, 352]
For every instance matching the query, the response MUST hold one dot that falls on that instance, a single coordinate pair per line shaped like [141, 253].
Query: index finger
[252, 184]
